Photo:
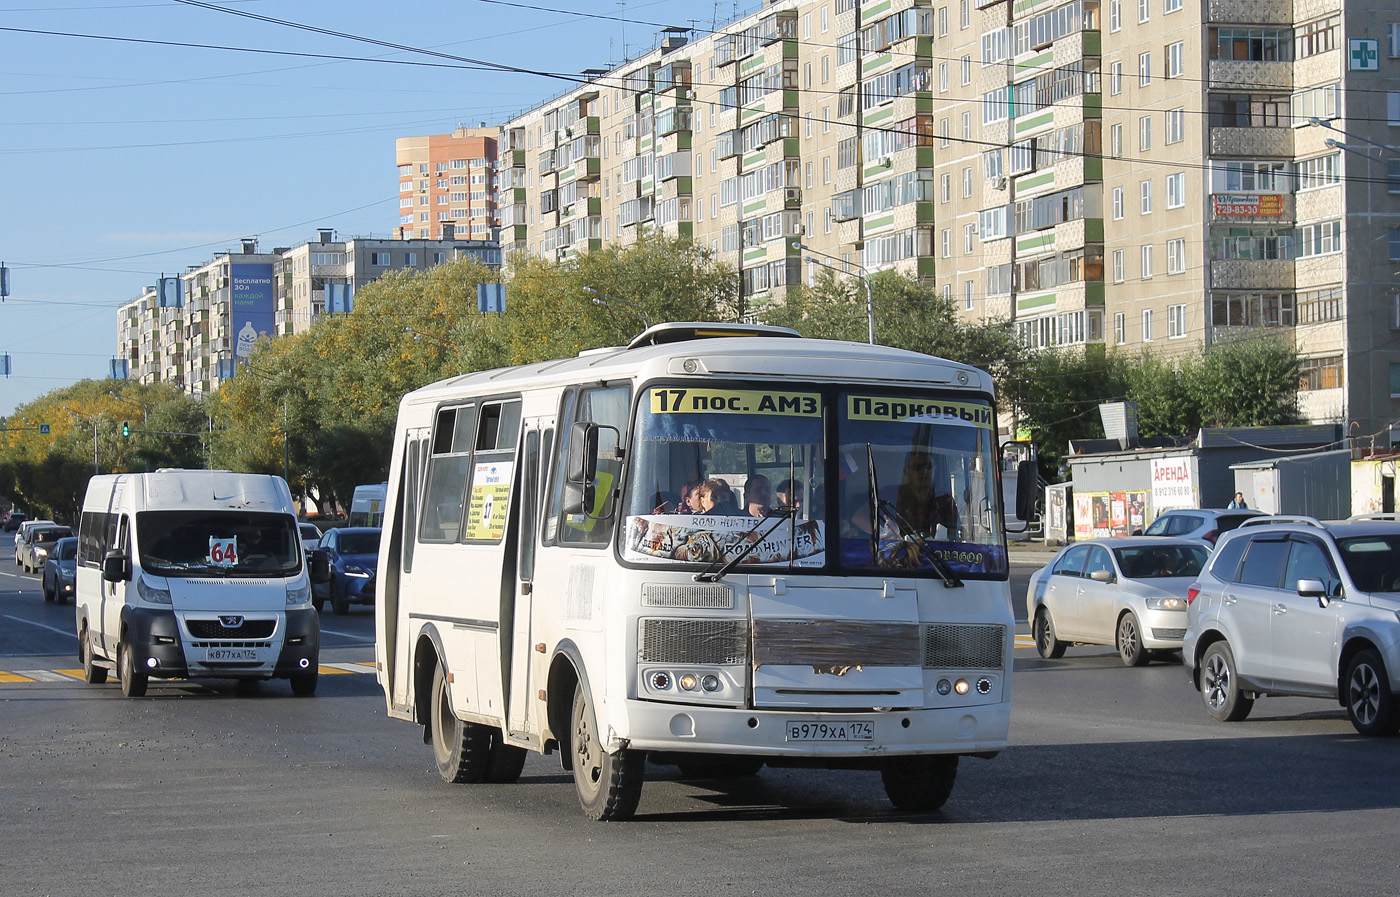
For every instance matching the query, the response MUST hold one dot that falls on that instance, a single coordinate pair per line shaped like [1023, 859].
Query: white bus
[838, 597]
[367, 505]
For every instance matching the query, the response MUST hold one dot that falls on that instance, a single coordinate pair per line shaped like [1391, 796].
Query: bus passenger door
[520, 648]
[403, 535]
[118, 537]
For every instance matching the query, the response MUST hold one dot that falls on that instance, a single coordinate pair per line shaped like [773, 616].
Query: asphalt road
[1116, 783]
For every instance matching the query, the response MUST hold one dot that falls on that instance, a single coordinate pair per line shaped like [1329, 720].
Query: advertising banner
[1099, 515]
[254, 310]
[1173, 485]
[1247, 205]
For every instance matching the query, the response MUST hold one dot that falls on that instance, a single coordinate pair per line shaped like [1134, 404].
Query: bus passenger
[790, 494]
[716, 498]
[758, 495]
[917, 502]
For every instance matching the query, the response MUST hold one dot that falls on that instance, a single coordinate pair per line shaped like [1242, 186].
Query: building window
[970, 231]
[1169, 6]
[1394, 371]
[1176, 59]
[967, 182]
[1144, 10]
[967, 295]
[1115, 141]
[1392, 41]
[1317, 36]
[1394, 233]
[1120, 328]
[1323, 238]
[1176, 256]
[1320, 373]
[1144, 67]
[1115, 15]
[1115, 78]
[1118, 276]
[1147, 262]
[1145, 133]
[380, 259]
[1176, 321]
[1176, 190]
[1147, 325]
[945, 188]
[1176, 125]
[943, 77]
[946, 242]
[1117, 203]
[1145, 198]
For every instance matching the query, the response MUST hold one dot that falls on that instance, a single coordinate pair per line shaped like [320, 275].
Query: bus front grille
[687, 595]
[668, 640]
[963, 646]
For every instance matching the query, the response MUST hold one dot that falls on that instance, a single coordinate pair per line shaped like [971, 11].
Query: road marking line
[76, 674]
[42, 675]
[1025, 641]
[346, 668]
[13, 677]
[42, 626]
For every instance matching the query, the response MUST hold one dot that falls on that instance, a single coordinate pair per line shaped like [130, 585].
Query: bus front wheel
[919, 783]
[462, 749]
[609, 785]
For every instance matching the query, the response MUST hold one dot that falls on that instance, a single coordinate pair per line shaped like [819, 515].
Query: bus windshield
[720, 471]
[218, 543]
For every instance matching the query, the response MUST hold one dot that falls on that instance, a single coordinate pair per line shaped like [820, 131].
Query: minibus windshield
[218, 543]
[909, 487]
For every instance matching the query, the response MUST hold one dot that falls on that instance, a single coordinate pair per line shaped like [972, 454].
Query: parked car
[13, 519]
[60, 568]
[310, 536]
[1128, 592]
[22, 535]
[1294, 606]
[1205, 524]
[38, 543]
[354, 557]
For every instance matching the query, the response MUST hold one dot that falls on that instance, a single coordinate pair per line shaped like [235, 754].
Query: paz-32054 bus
[719, 547]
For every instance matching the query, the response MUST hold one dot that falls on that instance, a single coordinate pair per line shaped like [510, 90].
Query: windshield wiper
[777, 515]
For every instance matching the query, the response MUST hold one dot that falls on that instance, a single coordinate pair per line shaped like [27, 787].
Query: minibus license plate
[845, 730]
[231, 654]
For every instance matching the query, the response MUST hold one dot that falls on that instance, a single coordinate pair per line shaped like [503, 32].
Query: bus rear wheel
[919, 783]
[609, 785]
[462, 749]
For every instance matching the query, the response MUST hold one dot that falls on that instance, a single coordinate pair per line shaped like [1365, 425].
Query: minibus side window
[491, 472]
[443, 504]
[412, 466]
[608, 406]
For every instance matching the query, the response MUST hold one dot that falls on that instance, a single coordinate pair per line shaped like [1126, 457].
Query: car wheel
[919, 783]
[609, 786]
[304, 684]
[1130, 641]
[92, 673]
[1220, 686]
[48, 592]
[1369, 701]
[1043, 629]
[133, 679]
[338, 603]
[461, 749]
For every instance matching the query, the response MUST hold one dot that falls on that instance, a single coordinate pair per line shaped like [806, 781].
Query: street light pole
[92, 417]
[605, 301]
[864, 278]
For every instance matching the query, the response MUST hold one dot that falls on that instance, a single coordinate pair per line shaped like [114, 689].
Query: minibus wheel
[92, 673]
[919, 783]
[609, 785]
[304, 684]
[462, 749]
[133, 680]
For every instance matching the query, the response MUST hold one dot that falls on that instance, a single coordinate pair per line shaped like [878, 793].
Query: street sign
[1364, 55]
[43, 429]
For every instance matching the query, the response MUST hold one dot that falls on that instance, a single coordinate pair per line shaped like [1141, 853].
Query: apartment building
[1148, 174]
[448, 179]
[229, 303]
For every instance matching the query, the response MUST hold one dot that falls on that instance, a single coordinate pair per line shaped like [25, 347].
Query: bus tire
[506, 761]
[609, 786]
[133, 680]
[462, 749]
[919, 783]
[92, 673]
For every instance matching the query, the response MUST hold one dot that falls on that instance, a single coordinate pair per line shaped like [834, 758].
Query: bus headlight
[150, 594]
[299, 597]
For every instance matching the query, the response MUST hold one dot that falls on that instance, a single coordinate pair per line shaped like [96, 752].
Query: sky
[141, 138]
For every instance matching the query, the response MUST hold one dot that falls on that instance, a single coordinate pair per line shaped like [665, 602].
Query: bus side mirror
[320, 567]
[116, 566]
[581, 468]
[1027, 479]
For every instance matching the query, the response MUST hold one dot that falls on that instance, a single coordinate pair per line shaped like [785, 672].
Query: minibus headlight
[299, 597]
[150, 594]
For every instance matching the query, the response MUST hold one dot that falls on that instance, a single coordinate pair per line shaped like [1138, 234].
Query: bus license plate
[231, 654]
[846, 730]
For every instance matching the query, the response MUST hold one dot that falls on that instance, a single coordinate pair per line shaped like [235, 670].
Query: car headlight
[150, 594]
[41, 552]
[299, 597]
[355, 570]
[1166, 603]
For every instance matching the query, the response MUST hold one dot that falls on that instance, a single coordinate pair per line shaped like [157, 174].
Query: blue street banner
[491, 297]
[254, 310]
[121, 368]
[340, 298]
[171, 292]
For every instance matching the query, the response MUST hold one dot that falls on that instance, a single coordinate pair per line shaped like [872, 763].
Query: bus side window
[412, 475]
[606, 405]
[555, 462]
[443, 509]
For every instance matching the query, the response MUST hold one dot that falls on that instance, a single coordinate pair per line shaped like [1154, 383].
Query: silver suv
[1205, 524]
[1294, 606]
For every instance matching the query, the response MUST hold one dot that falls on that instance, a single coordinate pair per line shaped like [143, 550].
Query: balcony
[1245, 76]
[1251, 274]
[1251, 142]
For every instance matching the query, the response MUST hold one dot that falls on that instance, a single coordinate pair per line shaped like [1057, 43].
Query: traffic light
[126, 429]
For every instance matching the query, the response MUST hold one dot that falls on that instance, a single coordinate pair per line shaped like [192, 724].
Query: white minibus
[720, 547]
[194, 574]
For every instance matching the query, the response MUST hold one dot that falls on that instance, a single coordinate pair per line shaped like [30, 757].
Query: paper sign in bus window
[222, 552]
[490, 496]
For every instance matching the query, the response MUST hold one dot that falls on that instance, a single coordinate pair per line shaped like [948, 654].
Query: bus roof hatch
[682, 331]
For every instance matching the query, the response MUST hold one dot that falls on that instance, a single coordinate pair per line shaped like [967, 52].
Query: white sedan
[1127, 592]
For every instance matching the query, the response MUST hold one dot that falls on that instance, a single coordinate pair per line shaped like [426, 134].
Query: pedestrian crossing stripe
[16, 677]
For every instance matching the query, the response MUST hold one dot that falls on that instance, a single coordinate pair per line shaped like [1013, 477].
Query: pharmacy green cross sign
[1365, 55]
